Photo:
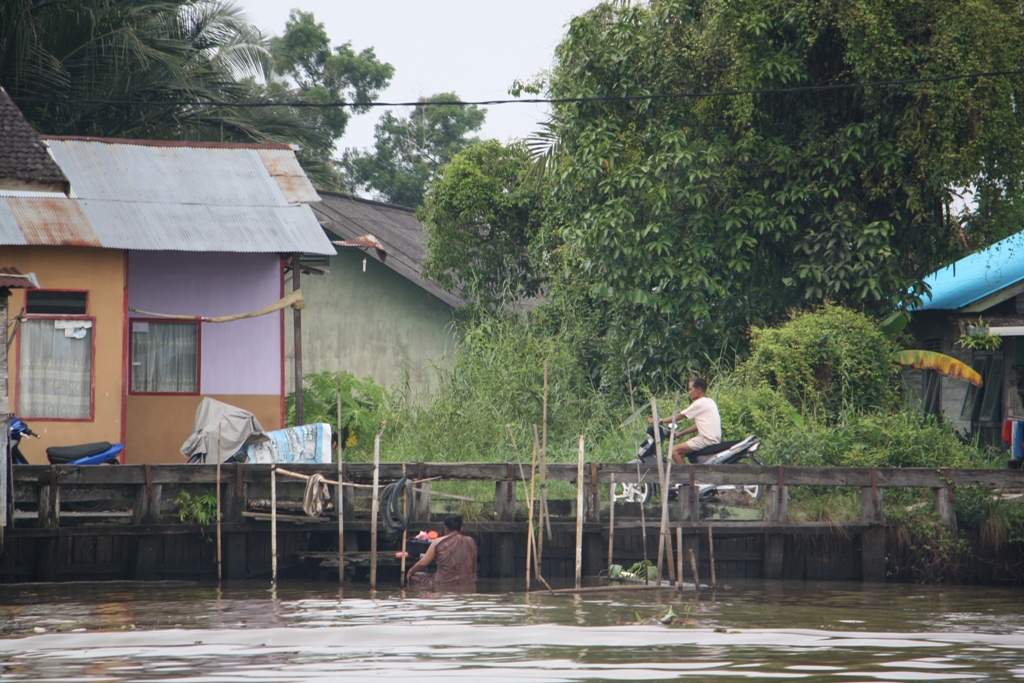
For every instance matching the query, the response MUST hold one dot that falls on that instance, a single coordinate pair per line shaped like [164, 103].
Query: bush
[826, 361]
[364, 405]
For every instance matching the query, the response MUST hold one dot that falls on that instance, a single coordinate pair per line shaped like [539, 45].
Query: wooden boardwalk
[139, 536]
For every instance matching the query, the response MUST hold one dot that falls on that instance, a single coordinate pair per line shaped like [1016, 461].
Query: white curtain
[56, 370]
[165, 357]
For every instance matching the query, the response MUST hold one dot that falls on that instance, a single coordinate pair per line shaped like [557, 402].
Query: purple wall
[240, 357]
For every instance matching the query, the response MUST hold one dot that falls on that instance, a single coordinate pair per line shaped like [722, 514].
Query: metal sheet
[976, 276]
[284, 168]
[180, 197]
[52, 222]
[12, 278]
[10, 232]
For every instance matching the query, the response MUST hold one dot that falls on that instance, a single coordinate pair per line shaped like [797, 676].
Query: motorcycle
[98, 453]
[724, 453]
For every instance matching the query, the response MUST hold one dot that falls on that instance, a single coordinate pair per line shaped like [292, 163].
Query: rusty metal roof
[171, 196]
[12, 278]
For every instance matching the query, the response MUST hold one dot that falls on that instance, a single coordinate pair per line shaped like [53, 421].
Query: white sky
[475, 48]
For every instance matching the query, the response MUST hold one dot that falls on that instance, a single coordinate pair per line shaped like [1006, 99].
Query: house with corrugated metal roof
[371, 316]
[150, 241]
[988, 285]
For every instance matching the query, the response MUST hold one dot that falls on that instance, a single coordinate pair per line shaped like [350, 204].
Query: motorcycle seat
[715, 449]
[58, 455]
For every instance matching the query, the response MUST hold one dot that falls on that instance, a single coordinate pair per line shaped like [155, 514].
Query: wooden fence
[136, 536]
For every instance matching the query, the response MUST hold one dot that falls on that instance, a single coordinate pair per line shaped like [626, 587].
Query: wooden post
[235, 541]
[220, 546]
[405, 532]
[611, 522]
[49, 518]
[944, 504]
[664, 532]
[374, 510]
[503, 552]
[679, 556]
[689, 498]
[341, 492]
[297, 337]
[872, 541]
[421, 496]
[273, 524]
[711, 556]
[146, 511]
[579, 515]
[775, 512]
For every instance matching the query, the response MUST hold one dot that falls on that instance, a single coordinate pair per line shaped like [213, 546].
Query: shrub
[826, 361]
[363, 406]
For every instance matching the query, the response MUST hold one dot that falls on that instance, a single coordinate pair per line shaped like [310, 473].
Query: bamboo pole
[664, 485]
[405, 512]
[530, 540]
[693, 568]
[611, 522]
[579, 515]
[679, 556]
[220, 545]
[273, 524]
[544, 515]
[711, 555]
[665, 532]
[341, 494]
[374, 510]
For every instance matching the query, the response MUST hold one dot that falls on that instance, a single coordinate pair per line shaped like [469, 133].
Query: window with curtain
[56, 369]
[165, 357]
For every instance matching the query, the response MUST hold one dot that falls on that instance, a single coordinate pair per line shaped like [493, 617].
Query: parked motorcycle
[724, 453]
[98, 453]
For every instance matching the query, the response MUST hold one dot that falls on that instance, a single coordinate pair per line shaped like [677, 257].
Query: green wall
[374, 323]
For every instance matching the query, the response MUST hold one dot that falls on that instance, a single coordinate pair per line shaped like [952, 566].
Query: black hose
[391, 505]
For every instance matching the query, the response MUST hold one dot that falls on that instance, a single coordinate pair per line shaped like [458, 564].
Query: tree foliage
[408, 151]
[481, 215]
[316, 72]
[181, 52]
[691, 218]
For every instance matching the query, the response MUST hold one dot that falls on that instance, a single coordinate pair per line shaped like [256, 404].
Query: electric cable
[302, 104]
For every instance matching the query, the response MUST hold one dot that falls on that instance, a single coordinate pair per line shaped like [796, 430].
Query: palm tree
[179, 52]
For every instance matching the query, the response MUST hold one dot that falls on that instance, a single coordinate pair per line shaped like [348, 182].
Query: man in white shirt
[706, 422]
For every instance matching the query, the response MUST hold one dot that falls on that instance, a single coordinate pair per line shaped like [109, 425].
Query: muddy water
[310, 632]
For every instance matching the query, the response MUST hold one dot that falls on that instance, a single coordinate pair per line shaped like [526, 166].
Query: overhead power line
[533, 100]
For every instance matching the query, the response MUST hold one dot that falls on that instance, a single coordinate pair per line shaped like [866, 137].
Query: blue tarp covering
[976, 276]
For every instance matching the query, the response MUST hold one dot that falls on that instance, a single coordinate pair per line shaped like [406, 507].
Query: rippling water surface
[314, 632]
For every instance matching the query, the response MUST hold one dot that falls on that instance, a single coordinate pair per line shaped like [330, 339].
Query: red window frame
[131, 355]
[92, 358]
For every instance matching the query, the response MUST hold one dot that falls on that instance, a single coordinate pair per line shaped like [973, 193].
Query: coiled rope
[391, 503]
[317, 493]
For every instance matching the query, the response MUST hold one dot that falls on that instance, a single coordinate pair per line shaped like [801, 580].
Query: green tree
[689, 219]
[408, 151]
[177, 51]
[315, 72]
[481, 215]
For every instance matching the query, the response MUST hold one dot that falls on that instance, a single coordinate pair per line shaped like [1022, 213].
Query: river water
[313, 632]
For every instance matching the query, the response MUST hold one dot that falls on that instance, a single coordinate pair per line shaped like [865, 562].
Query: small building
[150, 241]
[373, 318]
[988, 285]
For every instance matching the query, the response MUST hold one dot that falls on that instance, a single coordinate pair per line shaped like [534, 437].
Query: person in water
[455, 555]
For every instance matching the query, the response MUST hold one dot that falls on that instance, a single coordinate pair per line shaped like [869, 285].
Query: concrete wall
[102, 273]
[240, 361]
[374, 323]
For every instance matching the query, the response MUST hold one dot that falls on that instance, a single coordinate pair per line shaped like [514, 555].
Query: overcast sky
[475, 48]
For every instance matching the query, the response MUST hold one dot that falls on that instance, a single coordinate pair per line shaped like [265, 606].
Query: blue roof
[976, 276]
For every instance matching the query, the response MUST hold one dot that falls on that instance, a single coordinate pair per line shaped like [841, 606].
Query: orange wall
[101, 272]
[159, 425]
